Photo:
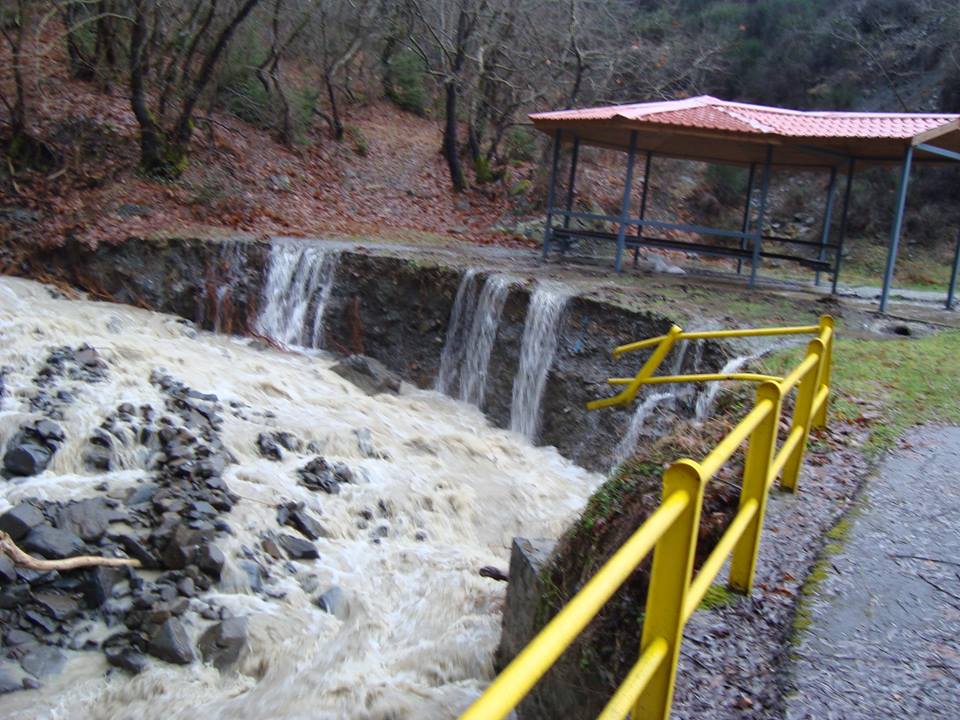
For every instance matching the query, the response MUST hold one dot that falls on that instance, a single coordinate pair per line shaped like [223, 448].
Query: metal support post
[897, 227]
[827, 218]
[551, 193]
[761, 217]
[843, 226]
[625, 205]
[574, 157]
[643, 204]
[745, 224]
[953, 274]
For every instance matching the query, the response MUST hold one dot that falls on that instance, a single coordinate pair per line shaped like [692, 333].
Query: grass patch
[890, 384]
[718, 595]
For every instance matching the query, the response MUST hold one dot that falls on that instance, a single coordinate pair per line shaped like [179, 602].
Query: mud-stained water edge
[437, 494]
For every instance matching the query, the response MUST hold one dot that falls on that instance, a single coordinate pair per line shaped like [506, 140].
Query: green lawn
[891, 384]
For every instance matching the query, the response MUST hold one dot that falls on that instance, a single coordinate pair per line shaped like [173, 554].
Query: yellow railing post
[802, 415]
[820, 419]
[756, 473]
[629, 393]
[669, 583]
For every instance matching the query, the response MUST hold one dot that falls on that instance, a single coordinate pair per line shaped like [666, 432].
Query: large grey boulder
[371, 376]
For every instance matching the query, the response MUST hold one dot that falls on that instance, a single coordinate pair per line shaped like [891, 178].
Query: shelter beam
[897, 227]
[643, 203]
[552, 192]
[745, 224]
[951, 293]
[571, 185]
[843, 225]
[625, 204]
[934, 150]
[761, 217]
[827, 219]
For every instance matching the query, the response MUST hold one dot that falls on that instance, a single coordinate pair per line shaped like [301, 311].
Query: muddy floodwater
[409, 627]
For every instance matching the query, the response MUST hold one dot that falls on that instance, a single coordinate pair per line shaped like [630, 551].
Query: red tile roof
[711, 114]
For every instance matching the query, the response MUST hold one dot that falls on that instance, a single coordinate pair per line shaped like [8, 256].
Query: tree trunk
[336, 124]
[451, 150]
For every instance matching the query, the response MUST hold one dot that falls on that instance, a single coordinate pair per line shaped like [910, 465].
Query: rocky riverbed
[308, 547]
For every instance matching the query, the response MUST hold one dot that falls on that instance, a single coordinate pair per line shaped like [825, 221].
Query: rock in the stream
[298, 548]
[334, 601]
[88, 518]
[25, 457]
[20, 520]
[31, 449]
[8, 682]
[210, 559]
[99, 583]
[319, 475]
[222, 643]
[43, 660]
[294, 515]
[8, 571]
[52, 543]
[170, 642]
[371, 376]
[127, 659]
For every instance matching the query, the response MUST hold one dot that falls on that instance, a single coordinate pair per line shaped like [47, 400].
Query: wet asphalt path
[885, 635]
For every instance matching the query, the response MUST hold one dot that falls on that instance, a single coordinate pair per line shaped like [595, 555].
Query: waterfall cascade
[670, 394]
[538, 347]
[461, 320]
[471, 333]
[483, 333]
[298, 286]
[706, 398]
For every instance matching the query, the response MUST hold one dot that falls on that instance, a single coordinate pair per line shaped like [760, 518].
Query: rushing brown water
[445, 491]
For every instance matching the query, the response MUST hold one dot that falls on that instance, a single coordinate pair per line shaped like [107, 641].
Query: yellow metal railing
[671, 531]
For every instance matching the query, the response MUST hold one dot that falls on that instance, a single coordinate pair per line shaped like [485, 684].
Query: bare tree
[340, 31]
[17, 24]
[174, 49]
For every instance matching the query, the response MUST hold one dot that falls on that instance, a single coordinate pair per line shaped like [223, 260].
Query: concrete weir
[405, 314]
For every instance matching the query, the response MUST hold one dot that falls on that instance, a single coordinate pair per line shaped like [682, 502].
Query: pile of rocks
[32, 448]
[169, 523]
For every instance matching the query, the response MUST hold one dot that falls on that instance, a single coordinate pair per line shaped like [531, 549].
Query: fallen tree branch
[19, 557]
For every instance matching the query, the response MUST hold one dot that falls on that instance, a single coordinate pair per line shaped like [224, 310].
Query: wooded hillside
[81, 80]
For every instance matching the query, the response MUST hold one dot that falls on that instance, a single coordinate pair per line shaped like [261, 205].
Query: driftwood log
[9, 548]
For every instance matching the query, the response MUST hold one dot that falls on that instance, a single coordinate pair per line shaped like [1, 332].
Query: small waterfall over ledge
[299, 282]
[483, 333]
[461, 320]
[538, 347]
[471, 333]
[670, 394]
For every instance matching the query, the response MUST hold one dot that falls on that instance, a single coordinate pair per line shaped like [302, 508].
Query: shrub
[521, 145]
[404, 84]
[727, 183]
[361, 146]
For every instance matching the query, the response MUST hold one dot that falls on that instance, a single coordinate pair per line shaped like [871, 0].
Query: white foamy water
[295, 294]
[537, 349]
[422, 624]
